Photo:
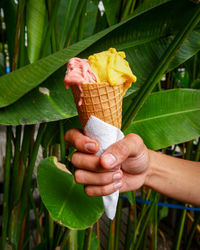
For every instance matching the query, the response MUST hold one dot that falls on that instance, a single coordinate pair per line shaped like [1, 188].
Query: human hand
[123, 166]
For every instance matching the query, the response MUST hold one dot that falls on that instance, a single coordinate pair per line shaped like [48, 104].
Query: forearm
[175, 178]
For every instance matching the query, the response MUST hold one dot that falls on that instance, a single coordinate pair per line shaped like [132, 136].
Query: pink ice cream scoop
[79, 72]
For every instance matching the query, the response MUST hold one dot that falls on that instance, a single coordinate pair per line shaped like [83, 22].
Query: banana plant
[36, 42]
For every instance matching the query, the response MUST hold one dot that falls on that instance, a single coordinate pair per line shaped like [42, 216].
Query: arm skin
[128, 164]
[174, 177]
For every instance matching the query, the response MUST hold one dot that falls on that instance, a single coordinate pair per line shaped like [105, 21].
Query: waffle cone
[101, 100]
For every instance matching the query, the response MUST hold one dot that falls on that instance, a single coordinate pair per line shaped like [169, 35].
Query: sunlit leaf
[140, 29]
[65, 200]
[168, 117]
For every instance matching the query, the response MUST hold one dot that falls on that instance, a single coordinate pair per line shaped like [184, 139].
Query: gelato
[99, 84]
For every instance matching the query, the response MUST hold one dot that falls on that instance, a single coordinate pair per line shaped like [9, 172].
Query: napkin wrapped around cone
[98, 86]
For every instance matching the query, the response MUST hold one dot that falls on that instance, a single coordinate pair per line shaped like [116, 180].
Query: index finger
[81, 142]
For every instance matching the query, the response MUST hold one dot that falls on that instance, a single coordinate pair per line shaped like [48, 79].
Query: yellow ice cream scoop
[111, 67]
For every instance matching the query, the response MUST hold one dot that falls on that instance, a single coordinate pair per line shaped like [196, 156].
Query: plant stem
[6, 187]
[66, 24]
[20, 12]
[28, 179]
[74, 21]
[133, 6]
[28, 130]
[144, 227]
[52, 11]
[155, 222]
[87, 239]
[72, 240]
[188, 155]
[118, 224]
[126, 10]
[15, 166]
[65, 238]
[131, 219]
[36, 215]
[111, 235]
[82, 23]
[192, 231]
[136, 228]
[51, 231]
[98, 234]
[197, 156]
[178, 242]
[62, 141]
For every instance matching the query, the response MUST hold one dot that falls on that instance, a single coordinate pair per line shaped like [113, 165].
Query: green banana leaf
[189, 48]
[159, 122]
[49, 100]
[35, 15]
[65, 200]
[168, 117]
[37, 107]
[142, 28]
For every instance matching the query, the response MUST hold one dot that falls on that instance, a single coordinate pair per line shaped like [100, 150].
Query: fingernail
[117, 185]
[109, 159]
[90, 147]
[117, 176]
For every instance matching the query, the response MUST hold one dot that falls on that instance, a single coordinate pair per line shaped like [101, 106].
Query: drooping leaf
[65, 200]
[48, 102]
[35, 17]
[139, 29]
[168, 117]
[189, 48]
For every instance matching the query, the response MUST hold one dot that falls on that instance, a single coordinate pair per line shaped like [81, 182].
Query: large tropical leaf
[168, 117]
[35, 27]
[142, 28]
[143, 58]
[48, 102]
[65, 200]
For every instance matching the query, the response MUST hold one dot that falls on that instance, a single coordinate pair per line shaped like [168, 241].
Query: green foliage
[158, 42]
[155, 121]
[65, 198]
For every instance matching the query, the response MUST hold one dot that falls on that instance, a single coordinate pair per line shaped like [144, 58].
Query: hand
[123, 166]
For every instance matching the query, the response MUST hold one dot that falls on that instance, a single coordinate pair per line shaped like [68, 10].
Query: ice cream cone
[101, 100]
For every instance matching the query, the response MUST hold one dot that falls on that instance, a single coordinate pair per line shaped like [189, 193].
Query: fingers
[91, 178]
[81, 142]
[131, 146]
[87, 162]
[103, 190]
[99, 184]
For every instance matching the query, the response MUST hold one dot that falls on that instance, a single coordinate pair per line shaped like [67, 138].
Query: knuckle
[134, 137]
[121, 148]
[75, 159]
[79, 178]
[69, 135]
[137, 140]
[89, 191]
[104, 190]
[105, 178]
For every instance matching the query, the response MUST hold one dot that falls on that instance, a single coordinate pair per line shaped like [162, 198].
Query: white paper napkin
[106, 135]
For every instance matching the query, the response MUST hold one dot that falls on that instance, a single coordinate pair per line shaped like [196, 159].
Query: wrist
[150, 169]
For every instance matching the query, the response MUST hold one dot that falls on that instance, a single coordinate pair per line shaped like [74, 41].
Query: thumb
[132, 145]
